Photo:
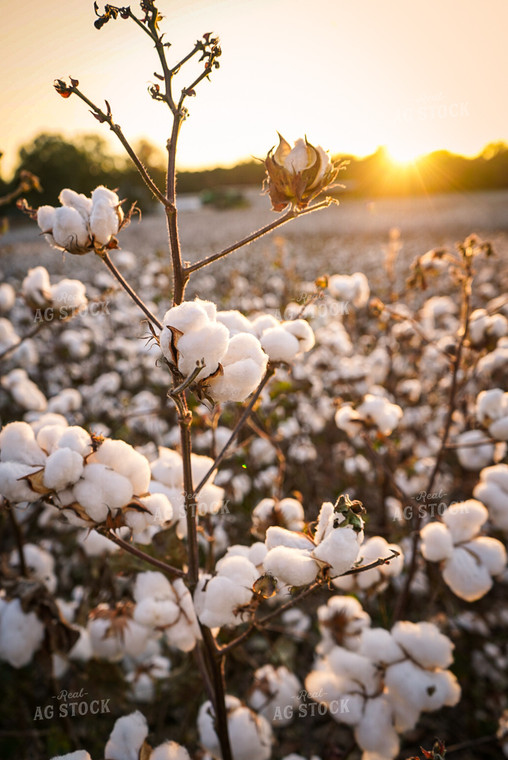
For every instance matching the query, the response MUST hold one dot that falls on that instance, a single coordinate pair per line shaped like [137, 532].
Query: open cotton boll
[269, 512]
[126, 461]
[250, 734]
[490, 552]
[373, 549]
[243, 364]
[339, 549]
[101, 490]
[378, 645]
[208, 344]
[46, 218]
[169, 751]
[492, 490]
[356, 668]
[302, 332]
[161, 509]
[279, 344]
[491, 405]
[68, 400]
[375, 731]
[263, 322]
[36, 287]
[474, 457]
[95, 544]
[13, 485]
[467, 578]
[189, 315]
[49, 437]
[464, 519]
[7, 297]
[80, 202]
[77, 439]
[63, 468]
[79, 754]
[437, 542]
[238, 569]
[222, 601]
[235, 321]
[294, 567]
[341, 621]
[424, 643]
[277, 536]
[18, 444]
[127, 737]
[349, 420]
[168, 468]
[24, 392]
[69, 229]
[8, 335]
[380, 412]
[273, 692]
[20, 634]
[39, 563]
[68, 294]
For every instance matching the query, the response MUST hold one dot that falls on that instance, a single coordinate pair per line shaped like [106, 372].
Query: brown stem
[216, 661]
[184, 422]
[241, 422]
[18, 535]
[168, 569]
[291, 214]
[132, 293]
[180, 276]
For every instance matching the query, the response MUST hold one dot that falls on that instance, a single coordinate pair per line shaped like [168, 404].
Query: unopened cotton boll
[250, 734]
[127, 737]
[20, 634]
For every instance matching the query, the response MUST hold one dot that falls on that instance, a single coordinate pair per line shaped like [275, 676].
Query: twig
[169, 569]
[132, 293]
[291, 214]
[241, 422]
[18, 535]
[28, 335]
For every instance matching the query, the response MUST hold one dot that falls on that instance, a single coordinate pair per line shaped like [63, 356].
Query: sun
[403, 154]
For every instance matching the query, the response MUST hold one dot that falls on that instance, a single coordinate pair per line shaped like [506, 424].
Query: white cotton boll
[437, 542]
[95, 544]
[76, 200]
[467, 578]
[46, 218]
[277, 689]
[279, 344]
[474, 457]
[186, 632]
[276, 536]
[126, 461]
[375, 731]
[378, 645]
[235, 321]
[77, 439]
[262, 452]
[127, 737]
[341, 621]
[491, 405]
[294, 567]
[380, 412]
[8, 335]
[292, 513]
[223, 599]
[250, 734]
[24, 392]
[80, 754]
[40, 564]
[20, 634]
[347, 419]
[490, 552]
[424, 643]
[499, 428]
[208, 345]
[69, 229]
[169, 751]
[355, 670]
[153, 613]
[238, 569]
[63, 468]
[492, 490]
[101, 490]
[373, 549]
[68, 400]
[13, 485]
[18, 444]
[325, 521]
[68, 295]
[210, 499]
[168, 468]
[339, 549]
[464, 519]
[161, 509]
[189, 315]
[263, 322]
[302, 332]
[36, 287]
[244, 364]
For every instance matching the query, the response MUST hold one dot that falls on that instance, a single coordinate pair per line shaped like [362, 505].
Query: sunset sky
[351, 74]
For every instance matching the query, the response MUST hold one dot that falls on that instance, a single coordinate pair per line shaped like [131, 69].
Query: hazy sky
[351, 74]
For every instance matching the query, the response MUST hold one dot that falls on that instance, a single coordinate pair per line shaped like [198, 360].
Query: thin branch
[132, 293]
[291, 214]
[168, 569]
[27, 336]
[243, 419]
[18, 535]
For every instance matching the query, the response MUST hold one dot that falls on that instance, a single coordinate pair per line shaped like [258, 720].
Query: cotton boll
[437, 542]
[474, 457]
[347, 419]
[77, 439]
[68, 295]
[273, 692]
[355, 669]
[378, 645]
[36, 287]
[207, 345]
[375, 731]
[244, 364]
[325, 521]
[341, 621]
[491, 405]
[169, 751]
[302, 332]
[127, 737]
[235, 321]
[95, 544]
[189, 315]
[492, 490]
[49, 437]
[269, 512]
[339, 549]
[63, 468]
[126, 461]
[13, 484]
[276, 536]
[39, 563]
[279, 344]
[380, 412]
[80, 754]
[8, 335]
[294, 567]
[105, 217]
[24, 392]
[101, 490]
[424, 643]
[464, 519]
[466, 577]
[69, 230]
[250, 734]
[20, 634]
[18, 444]
[80, 202]
[490, 553]
[238, 569]
[223, 600]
